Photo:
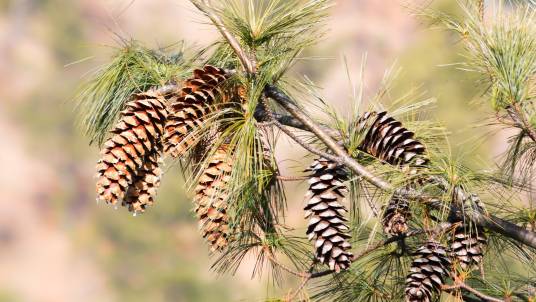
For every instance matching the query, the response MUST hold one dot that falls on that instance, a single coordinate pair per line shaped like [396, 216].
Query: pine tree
[227, 117]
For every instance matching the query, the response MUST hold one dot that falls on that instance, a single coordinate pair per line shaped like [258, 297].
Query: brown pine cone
[136, 141]
[327, 224]
[191, 107]
[428, 272]
[211, 200]
[396, 215]
[387, 140]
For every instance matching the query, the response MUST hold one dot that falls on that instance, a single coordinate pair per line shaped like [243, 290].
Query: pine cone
[189, 109]
[211, 200]
[428, 272]
[395, 216]
[141, 193]
[132, 150]
[387, 140]
[326, 214]
[467, 246]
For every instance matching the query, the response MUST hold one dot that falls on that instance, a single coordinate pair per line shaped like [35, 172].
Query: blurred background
[58, 244]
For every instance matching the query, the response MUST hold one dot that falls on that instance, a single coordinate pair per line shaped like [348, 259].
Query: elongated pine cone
[427, 273]
[387, 140]
[211, 200]
[129, 161]
[327, 224]
[467, 246]
[396, 215]
[141, 193]
[190, 108]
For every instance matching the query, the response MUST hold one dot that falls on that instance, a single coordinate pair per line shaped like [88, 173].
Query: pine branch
[294, 137]
[285, 102]
[490, 222]
[249, 65]
[462, 285]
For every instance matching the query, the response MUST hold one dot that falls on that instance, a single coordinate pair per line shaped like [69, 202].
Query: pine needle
[133, 68]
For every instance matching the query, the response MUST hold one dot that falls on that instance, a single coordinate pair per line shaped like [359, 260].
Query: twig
[462, 285]
[291, 178]
[307, 146]
[516, 114]
[249, 65]
[272, 258]
[299, 289]
[294, 137]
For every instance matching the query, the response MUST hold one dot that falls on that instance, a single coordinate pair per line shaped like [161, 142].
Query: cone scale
[467, 246]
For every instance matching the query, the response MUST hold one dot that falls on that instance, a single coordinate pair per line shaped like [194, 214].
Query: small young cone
[395, 216]
[427, 273]
[136, 139]
[467, 246]
[211, 200]
[190, 108]
[327, 224]
[387, 140]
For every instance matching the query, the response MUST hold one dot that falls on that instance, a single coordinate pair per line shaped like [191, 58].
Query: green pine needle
[133, 69]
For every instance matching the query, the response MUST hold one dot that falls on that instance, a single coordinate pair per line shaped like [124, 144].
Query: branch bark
[249, 65]
[285, 102]
[480, 295]
[490, 222]
[301, 120]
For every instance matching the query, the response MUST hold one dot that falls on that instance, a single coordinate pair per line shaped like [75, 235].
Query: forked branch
[249, 65]
[303, 121]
